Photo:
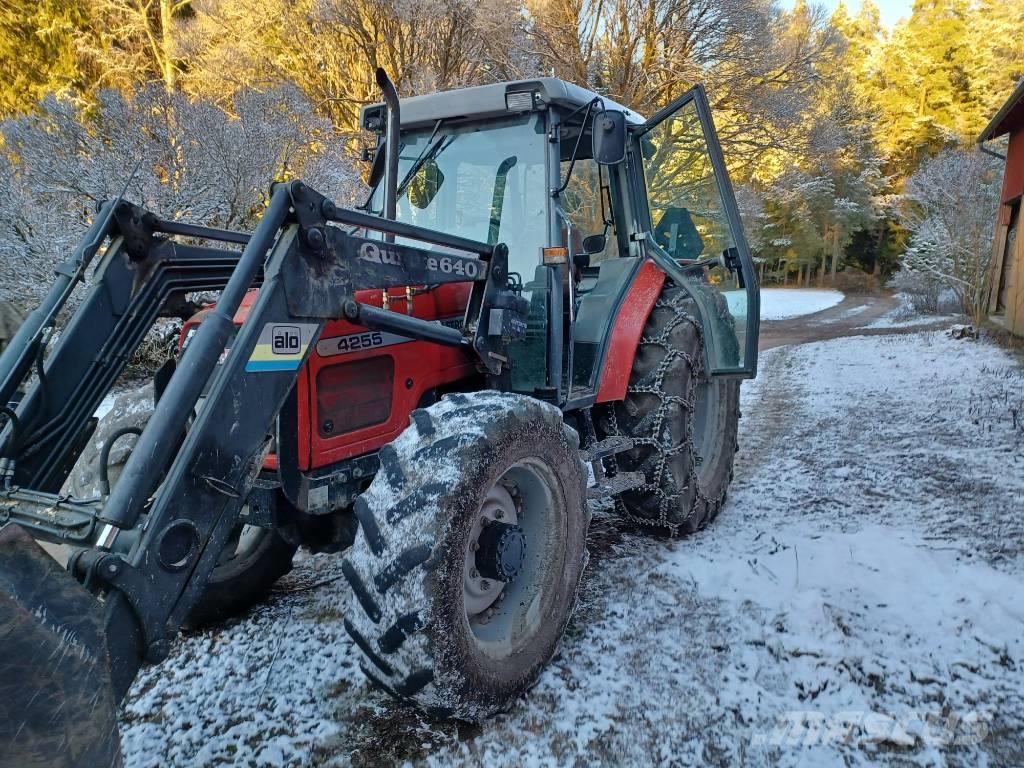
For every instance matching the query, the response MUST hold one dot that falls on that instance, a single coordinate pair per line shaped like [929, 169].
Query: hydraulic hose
[105, 456]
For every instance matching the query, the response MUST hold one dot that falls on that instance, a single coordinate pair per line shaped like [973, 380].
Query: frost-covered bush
[921, 290]
[196, 162]
[949, 209]
[855, 281]
[159, 345]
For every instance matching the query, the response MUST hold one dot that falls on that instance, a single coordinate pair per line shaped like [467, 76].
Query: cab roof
[484, 101]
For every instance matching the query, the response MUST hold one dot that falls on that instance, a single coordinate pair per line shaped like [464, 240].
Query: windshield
[487, 182]
[484, 182]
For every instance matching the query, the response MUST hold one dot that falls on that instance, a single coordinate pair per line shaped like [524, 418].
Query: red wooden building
[1006, 301]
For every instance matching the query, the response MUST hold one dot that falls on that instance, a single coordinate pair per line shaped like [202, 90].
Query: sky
[892, 10]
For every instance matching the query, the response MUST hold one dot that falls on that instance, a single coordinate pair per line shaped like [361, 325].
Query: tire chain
[665, 452]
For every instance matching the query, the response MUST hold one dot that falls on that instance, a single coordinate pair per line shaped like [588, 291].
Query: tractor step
[613, 486]
[605, 448]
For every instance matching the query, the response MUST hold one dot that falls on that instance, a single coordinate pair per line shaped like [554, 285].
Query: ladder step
[604, 448]
[613, 486]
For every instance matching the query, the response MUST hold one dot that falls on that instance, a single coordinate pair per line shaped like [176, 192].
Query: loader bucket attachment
[56, 701]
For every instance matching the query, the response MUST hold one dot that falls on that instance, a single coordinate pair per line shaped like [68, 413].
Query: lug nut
[499, 514]
[474, 546]
[474, 574]
[485, 585]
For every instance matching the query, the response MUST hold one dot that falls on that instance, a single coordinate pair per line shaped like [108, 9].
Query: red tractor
[540, 280]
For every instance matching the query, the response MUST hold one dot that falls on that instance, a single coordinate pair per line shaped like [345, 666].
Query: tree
[948, 208]
[139, 41]
[998, 54]
[206, 166]
[756, 62]
[331, 48]
[828, 185]
[943, 74]
[38, 52]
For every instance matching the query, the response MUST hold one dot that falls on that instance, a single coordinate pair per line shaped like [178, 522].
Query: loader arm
[150, 548]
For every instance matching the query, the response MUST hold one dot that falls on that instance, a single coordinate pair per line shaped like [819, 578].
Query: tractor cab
[583, 191]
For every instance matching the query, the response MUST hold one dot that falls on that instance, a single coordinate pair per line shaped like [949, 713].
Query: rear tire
[429, 630]
[683, 424]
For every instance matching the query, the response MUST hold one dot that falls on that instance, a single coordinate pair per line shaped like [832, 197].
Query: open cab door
[695, 233]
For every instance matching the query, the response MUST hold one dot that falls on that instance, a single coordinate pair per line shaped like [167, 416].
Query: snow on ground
[860, 601]
[843, 316]
[904, 316]
[784, 303]
[898, 318]
[106, 405]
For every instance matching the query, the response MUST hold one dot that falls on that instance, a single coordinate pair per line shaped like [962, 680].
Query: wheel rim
[245, 542]
[705, 435]
[504, 616]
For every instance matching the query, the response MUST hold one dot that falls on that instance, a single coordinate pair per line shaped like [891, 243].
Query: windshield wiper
[417, 164]
[430, 152]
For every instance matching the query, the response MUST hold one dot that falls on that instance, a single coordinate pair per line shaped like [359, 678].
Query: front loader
[540, 280]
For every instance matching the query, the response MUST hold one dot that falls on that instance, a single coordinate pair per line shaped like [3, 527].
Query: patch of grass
[388, 733]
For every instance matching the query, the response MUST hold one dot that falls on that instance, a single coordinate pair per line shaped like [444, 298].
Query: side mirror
[594, 244]
[425, 185]
[609, 135]
[377, 169]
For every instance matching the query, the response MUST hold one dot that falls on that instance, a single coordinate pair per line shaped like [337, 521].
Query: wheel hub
[481, 586]
[502, 552]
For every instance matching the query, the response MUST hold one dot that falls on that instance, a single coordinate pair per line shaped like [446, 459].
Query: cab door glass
[582, 205]
[693, 218]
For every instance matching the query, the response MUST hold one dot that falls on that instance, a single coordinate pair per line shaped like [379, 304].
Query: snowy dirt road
[860, 601]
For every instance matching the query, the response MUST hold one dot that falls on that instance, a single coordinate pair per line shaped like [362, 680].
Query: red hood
[247, 301]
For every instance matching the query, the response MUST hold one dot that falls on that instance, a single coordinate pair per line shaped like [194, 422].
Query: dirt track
[847, 318]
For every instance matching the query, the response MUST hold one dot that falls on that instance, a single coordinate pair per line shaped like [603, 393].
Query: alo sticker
[281, 347]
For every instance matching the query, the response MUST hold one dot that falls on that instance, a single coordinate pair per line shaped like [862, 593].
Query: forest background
[851, 144]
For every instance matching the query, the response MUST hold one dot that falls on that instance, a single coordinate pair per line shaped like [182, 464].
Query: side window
[582, 205]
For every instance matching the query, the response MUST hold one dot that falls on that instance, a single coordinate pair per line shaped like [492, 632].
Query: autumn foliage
[824, 118]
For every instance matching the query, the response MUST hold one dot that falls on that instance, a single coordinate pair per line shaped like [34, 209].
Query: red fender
[626, 333]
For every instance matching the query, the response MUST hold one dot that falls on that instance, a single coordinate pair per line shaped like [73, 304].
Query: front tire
[471, 480]
[682, 422]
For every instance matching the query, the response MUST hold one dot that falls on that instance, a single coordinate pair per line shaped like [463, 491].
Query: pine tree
[997, 39]
[38, 51]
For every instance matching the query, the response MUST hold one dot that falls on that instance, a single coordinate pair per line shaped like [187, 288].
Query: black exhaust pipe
[393, 128]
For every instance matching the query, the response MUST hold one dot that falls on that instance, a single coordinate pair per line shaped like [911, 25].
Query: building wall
[1013, 175]
[1012, 316]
